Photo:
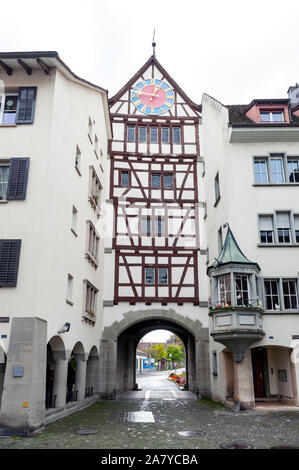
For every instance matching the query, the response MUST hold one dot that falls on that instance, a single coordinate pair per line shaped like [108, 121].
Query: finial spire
[154, 44]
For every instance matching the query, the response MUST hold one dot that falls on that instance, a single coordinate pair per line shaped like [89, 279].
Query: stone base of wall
[54, 414]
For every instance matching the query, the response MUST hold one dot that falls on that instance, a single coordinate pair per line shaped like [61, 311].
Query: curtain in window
[4, 172]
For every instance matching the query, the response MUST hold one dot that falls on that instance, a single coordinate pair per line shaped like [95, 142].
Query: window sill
[69, 302]
[92, 259]
[77, 170]
[280, 245]
[281, 312]
[275, 184]
[3, 201]
[75, 233]
[8, 125]
[217, 200]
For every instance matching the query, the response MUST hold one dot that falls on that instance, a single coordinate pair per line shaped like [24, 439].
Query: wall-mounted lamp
[64, 329]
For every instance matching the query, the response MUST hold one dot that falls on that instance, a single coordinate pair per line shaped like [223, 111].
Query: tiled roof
[237, 116]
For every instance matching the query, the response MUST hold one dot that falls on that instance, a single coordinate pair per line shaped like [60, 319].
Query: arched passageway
[120, 340]
[127, 345]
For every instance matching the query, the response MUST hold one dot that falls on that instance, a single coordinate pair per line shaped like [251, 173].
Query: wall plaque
[18, 371]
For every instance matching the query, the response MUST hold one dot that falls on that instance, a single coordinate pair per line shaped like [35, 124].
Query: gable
[182, 107]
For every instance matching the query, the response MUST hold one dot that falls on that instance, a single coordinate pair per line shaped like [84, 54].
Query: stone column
[92, 373]
[294, 366]
[108, 354]
[130, 365]
[80, 379]
[23, 399]
[202, 359]
[60, 377]
[243, 384]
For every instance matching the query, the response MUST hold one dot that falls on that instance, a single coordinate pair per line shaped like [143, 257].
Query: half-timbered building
[154, 250]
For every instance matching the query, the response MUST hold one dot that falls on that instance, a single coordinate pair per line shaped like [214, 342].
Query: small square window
[168, 180]
[176, 135]
[165, 135]
[154, 135]
[141, 134]
[131, 133]
[149, 275]
[124, 178]
[156, 180]
[69, 291]
[74, 220]
[163, 275]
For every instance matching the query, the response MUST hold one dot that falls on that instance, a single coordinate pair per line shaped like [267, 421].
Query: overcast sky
[233, 50]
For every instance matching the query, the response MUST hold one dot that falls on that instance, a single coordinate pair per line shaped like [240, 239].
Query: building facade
[54, 133]
[153, 256]
[251, 181]
[113, 219]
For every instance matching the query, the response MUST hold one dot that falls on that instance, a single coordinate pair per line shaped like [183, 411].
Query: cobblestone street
[216, 423]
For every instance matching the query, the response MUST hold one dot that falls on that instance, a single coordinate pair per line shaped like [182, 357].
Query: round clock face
[152, 96]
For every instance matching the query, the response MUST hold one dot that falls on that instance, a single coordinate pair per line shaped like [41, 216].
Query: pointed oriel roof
[231, 253]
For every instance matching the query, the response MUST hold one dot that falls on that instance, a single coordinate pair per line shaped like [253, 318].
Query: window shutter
[266, 222]
[283, 220]
[9, 262]
[17, 179]
[26, 105]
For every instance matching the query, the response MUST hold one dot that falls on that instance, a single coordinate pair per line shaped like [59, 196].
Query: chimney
[293, 93]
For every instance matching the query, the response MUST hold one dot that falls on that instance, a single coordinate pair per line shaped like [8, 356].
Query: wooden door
[257, 358]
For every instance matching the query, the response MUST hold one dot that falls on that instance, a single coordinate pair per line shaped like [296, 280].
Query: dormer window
[272, 116]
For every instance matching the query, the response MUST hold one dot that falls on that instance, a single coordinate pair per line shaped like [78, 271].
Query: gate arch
[119, 342]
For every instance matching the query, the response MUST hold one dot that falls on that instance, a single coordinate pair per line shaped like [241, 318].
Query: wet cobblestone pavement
[218, 425]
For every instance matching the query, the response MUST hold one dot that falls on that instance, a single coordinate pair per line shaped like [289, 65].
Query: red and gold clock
[152, 96]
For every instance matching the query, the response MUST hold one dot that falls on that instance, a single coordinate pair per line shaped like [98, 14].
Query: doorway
[260, 372]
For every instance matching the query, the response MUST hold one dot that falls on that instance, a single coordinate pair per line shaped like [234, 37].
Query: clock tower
[154, 252]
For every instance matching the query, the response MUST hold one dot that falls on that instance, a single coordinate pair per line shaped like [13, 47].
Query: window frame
[286, 159]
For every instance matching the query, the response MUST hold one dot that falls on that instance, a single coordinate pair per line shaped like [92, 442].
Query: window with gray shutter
[26, 105]
[266, 228]
[9, 262]
[17, 180]
[283, 227]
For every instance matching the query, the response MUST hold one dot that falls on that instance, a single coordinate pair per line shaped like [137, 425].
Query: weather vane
[154, 44]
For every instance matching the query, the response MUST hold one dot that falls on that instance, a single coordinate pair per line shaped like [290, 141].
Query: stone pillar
[294, 366]
[80, 379]
[108, 355]
[60, 377]
[92, 373]
[203, 364]
[130, 364]
[23, 399]
[243, 383]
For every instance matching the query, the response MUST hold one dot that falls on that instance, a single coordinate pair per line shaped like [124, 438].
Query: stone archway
[119, 342]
